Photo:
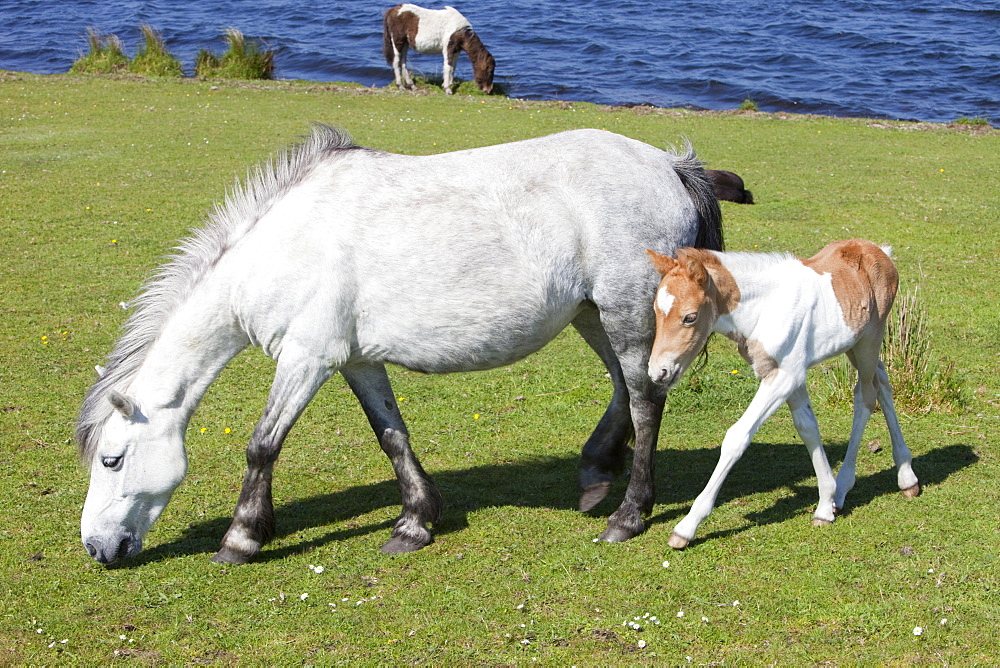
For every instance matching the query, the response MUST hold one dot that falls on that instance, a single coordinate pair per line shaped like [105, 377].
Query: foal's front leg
[294, 386]
[421, 499]
[773, 391]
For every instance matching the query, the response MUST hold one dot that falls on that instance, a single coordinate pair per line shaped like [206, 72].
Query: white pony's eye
[690, 319]
[113, 463]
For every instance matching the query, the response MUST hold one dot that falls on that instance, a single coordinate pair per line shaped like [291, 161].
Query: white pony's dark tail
[699, 186]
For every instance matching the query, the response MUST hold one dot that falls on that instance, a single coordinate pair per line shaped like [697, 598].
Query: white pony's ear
[123, 404]
[100, 371]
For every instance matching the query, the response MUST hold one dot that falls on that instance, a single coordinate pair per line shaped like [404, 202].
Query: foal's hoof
[594, 494]
[678, 542]
[402, 544]
[912, 492]
[820, 522]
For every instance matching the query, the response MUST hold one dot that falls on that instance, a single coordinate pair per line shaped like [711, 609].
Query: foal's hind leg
[808, 428]
[293, 388]
[864, 357]
[604, 453]
[421, 498]
[905, 476]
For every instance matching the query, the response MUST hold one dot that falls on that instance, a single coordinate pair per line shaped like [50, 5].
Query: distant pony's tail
[699, 187]
[387, 51]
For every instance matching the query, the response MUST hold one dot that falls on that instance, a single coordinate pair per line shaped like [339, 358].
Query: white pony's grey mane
[194, 258]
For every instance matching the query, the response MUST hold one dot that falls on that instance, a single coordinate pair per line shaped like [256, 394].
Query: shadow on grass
[550, 483]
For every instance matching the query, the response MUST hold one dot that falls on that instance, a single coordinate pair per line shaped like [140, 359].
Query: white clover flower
[319, 569]
[944, 621]
[736, 603]
[918, 630]
[680, 613]
[641, 644]
[303, 597]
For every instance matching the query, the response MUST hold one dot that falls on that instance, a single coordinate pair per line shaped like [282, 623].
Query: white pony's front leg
[808, 428]
[773, 392]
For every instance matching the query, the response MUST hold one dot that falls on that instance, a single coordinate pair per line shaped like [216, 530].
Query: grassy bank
[99, 177]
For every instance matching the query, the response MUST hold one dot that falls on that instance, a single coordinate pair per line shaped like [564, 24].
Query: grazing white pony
[329, 265]
[785, 315]
[443, 31]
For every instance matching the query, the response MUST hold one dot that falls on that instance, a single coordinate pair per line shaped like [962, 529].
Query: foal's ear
[123, 404]
[662, 263]
[691, 260]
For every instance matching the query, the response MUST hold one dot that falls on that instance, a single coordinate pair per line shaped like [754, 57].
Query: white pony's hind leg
[906, 478]
[808, 428]
[604, 452]
[421, 499]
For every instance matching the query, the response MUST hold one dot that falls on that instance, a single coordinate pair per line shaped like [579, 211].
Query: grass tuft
[105, 55]
[242, 60]
[920, 383]
[153, 59]
[749, 105]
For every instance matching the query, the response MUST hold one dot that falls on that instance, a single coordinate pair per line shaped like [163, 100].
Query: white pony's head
[135, 466]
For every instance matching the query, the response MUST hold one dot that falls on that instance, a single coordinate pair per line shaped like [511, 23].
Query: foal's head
[686, 311]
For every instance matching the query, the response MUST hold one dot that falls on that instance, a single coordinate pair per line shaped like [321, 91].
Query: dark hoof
[403, 544]
[594, 494]
[227, 556]
[618, 535]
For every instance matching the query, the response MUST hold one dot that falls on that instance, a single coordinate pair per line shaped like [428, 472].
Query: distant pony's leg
[864, 357]
[773, 391]
[900, 453]
[404, 70]
[448, 70]
[808, 428]
[295, 383]
[604, 453]
[421, 498]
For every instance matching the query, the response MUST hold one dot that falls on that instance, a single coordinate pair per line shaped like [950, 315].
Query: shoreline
[466, 89]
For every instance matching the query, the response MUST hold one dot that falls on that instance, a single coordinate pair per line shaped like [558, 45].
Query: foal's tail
[699, 187]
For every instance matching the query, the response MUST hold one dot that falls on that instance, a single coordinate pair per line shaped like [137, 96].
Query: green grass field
[100, 177]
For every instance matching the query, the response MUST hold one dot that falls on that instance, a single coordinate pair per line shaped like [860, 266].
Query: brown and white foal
[785, 315]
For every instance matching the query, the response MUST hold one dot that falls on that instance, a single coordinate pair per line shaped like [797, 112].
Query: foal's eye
[113, 463]
[690, 319]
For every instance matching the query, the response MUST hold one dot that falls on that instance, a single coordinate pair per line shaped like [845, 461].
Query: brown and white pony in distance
[443, 31]
[785, 315]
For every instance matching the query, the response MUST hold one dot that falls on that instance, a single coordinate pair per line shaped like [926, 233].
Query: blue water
[930, 60]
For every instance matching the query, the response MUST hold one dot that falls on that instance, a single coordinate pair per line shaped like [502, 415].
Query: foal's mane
[193, 260]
